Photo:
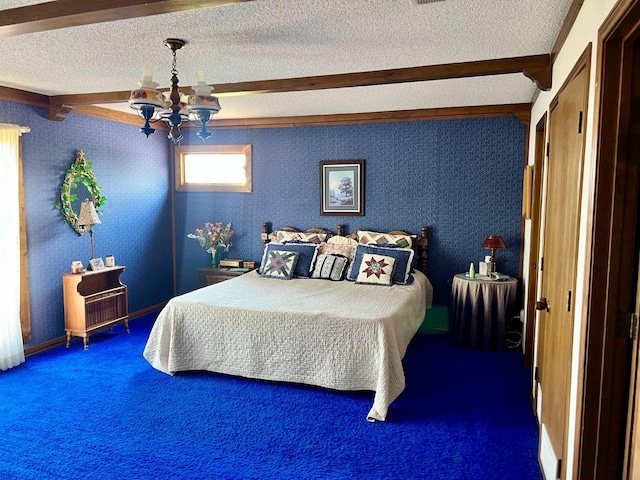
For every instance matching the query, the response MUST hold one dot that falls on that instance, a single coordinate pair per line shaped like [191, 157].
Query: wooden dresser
[94, 301]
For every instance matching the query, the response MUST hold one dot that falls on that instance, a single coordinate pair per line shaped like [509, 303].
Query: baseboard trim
[145, 311]
[41, 347]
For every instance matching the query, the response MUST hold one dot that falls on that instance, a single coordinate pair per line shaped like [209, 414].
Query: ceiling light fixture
[152, 106]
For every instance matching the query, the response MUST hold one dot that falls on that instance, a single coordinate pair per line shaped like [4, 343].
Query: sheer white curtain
[11, 348]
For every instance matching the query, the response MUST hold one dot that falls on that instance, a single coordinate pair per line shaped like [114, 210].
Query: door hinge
[580, 122]
[541, 264]
[535, 374]
[627, 325]
[559, 470]
[569, 301]
[547, 149]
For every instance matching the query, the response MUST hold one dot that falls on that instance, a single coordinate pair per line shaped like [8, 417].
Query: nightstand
[94, 301]
[479, 309]
[211, 276]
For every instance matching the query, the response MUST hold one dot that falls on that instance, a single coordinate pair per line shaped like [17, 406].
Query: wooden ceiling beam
[520, 110]
[93, 98]
[24, 97]
[480, 68]
[58, 113]
[117, 116]
[540, 76]
[72, 13]
[536, 67]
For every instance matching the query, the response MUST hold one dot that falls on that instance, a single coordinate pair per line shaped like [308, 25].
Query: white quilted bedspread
[336, 335]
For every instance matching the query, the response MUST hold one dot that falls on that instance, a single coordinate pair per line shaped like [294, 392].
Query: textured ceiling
[275, 39]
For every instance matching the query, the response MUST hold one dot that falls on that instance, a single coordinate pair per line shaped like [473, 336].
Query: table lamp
[493, 242]
[88, 218]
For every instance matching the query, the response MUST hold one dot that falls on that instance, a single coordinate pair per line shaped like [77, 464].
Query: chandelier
[175, 108]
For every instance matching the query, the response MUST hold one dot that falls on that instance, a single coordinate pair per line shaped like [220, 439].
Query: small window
[213, 168]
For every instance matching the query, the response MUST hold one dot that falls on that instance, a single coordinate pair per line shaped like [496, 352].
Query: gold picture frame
[527, 189]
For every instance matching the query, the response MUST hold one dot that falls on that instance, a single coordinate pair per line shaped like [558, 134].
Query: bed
[342, 335]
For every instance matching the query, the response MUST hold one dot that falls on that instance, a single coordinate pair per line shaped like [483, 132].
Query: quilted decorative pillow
[330, 267]
[376, 238]
[306, 256]
[376, 269]
[279, 264]
[281, 236]
[337, 249]
[403, 257]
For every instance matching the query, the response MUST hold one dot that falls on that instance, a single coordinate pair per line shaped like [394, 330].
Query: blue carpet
[106, 414]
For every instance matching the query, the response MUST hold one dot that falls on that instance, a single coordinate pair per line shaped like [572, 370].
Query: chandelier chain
[174, 70]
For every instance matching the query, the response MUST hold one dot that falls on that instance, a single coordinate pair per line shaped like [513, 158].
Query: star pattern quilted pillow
[376, 269]
[403, 257]
[280, 264]
[307, 253]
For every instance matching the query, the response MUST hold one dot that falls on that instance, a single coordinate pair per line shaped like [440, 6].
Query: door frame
[602, 411]
[534, 247]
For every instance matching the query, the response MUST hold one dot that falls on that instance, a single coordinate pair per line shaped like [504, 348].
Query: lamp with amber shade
[493, 242]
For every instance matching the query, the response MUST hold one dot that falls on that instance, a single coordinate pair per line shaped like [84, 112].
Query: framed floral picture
[342, 187]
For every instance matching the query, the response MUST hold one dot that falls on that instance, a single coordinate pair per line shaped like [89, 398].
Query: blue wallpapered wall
[461, 178]
[134, 173]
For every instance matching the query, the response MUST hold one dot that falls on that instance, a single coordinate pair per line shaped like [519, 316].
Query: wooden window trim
[182, 186]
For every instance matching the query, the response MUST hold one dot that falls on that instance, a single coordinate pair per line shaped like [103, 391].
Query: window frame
[179, 166]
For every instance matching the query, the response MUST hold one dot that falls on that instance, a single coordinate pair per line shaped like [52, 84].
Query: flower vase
[215, 258]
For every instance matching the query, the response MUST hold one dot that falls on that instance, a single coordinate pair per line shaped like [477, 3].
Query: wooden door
[631, 239]
[632, 452]
[534, 254]
[559, 258]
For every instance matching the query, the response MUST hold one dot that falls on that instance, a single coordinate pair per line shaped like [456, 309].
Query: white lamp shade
[88, 215]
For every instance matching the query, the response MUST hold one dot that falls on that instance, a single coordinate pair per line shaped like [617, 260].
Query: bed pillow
[376, 238]
[345, 250]
[339, 239]
[281, 236]
[376, 269]
[306, 256]
[403, 257]
[330, 267]
[279, 264]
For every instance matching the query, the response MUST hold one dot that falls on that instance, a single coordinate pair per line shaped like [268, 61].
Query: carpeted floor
[106, 413]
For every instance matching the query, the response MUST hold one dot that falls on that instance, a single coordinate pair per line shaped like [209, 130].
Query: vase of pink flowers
[214, 238]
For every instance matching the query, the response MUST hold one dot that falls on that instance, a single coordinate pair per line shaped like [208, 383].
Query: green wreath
[79, 171]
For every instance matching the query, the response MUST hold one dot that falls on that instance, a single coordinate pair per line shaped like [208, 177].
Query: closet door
[559, 259]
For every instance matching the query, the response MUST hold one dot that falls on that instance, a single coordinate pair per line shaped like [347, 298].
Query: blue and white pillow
[307, 253]
[404, 260]
[330, 267]
[279, 264]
